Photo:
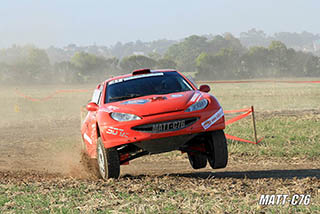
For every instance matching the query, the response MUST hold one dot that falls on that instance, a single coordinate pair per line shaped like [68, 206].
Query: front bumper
[115, 133]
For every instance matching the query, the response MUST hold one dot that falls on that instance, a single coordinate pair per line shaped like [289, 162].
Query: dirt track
[50, 148]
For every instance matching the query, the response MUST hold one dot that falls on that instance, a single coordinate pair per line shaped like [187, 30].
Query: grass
[268, 96]
[284, 136]
[163, 194]
[287, 117]
[291, 135]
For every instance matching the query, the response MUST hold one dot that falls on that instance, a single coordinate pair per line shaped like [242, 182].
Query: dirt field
[43, 151]
[45, 147]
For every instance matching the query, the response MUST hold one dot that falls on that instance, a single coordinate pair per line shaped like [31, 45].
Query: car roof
[129, 75]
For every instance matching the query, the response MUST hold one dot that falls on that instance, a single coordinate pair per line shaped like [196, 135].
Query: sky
[104, 22]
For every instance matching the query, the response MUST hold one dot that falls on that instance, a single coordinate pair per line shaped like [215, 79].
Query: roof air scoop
[141, 71]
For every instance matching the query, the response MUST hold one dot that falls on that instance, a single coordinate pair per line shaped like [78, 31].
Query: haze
[58, 23]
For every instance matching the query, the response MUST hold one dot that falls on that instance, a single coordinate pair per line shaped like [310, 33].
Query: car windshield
[146, 84]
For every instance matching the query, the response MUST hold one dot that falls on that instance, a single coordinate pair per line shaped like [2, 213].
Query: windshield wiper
[130, 96]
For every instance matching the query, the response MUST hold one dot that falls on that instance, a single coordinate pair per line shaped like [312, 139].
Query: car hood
[156, 104]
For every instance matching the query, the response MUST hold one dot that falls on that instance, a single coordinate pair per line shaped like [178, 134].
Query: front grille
[166, 126]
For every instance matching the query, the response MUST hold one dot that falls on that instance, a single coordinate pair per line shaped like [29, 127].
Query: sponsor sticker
[142, 76]
[135, 102]
[134, 77]
[116, 132]
[87, 138]
[282, 199]
[176, 95]
[214, 118]
[115, 81]
[109, 109]
[194, 97]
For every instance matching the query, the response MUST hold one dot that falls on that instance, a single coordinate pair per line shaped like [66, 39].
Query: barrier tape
[259, 81]
[242, 140]
[237, 111]
[51, 95]
[239, 117]
[247, 111]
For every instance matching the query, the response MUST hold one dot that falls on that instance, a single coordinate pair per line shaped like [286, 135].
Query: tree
[133, 48]
[26, 64]
[66, 72]
[166, 63]
[296, 40]
[254, 38]
[38, 64]
[154, 55]
[92, 67]
[278, 58]
[4, 72]
[255, 63]
[205, 64]
[134, 62]
[223, 65]
[185, 52]
[311, 68]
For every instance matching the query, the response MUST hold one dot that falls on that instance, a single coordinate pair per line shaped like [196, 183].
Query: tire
[217, 148]
[197, 161]
[108, 161]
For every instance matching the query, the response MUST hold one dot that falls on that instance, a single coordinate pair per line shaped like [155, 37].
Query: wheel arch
[98, 130]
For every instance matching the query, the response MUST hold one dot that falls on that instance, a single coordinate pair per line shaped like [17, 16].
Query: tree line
[215, 58]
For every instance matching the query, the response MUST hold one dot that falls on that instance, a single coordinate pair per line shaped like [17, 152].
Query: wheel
[197, 161]
[108, 161]
[217, 148]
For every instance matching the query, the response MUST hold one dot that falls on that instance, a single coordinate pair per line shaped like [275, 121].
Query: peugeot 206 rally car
[151, 112]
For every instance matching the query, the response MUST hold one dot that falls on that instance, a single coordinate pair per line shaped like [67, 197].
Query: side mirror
[92, 106]
[204, 88]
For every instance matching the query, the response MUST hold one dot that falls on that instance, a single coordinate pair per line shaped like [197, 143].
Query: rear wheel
[108, 161]
[197, 161]
[217, 149]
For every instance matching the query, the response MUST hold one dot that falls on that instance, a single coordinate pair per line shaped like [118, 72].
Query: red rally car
[151, 112]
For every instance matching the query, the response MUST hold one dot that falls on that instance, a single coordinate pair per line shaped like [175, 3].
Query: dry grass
[151, 194]
[47, 133]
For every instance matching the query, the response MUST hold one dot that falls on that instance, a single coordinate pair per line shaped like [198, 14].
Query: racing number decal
[160, 127]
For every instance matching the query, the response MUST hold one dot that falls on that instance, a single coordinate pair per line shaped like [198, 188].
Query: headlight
[197, 106]
[124, 117]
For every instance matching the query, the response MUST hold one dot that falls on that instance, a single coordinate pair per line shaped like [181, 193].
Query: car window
[146, 84]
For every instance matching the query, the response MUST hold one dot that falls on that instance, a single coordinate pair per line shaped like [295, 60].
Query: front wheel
[108, 161]
[217, 149]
